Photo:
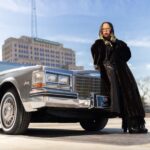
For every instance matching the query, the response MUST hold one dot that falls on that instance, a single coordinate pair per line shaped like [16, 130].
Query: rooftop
[47, 41]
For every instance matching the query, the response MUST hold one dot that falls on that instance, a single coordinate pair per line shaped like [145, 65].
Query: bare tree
[144, 88]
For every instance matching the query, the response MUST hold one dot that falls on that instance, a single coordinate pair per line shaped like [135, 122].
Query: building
[74, 67]
[27, 50]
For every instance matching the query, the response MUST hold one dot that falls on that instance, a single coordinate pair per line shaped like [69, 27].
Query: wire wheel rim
[8, 111]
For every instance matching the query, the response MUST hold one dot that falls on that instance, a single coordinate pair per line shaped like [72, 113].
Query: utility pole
[33, 19]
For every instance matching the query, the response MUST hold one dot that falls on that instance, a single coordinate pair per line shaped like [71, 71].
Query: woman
[110, 56]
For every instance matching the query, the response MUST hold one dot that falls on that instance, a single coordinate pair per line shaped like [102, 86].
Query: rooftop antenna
[33, 19]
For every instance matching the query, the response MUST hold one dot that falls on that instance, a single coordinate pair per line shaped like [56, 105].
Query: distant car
[42, 94]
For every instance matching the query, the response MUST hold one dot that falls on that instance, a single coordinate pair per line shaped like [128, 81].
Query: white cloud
[131, 66]
[91, 64]
[80, 54]
[22, 6]
[70, 7]
[141, 42]
[15, 6]
[73, 39]
[141, 70]
[148, 66]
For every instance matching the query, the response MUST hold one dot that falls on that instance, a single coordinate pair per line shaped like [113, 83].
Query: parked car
[43, 94]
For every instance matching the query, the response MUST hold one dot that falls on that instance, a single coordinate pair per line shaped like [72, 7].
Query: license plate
[102, 101]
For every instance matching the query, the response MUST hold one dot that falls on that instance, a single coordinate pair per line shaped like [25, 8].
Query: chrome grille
[84, 85]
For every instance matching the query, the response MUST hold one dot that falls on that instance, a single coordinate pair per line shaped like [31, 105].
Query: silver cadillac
[42, 94]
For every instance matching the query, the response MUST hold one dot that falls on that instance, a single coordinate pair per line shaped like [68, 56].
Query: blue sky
[75, 23]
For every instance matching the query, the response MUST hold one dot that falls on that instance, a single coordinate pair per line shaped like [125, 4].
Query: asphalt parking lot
[72, 136]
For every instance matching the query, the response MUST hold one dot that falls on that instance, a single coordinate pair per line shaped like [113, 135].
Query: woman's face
[106, 30]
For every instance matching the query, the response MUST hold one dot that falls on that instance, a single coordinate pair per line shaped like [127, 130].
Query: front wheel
[14, 119]
[94, 125]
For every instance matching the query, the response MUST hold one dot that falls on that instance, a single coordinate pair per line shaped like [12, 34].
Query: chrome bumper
[36, 102]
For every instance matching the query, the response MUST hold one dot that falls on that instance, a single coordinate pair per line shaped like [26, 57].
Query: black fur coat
[117, 77]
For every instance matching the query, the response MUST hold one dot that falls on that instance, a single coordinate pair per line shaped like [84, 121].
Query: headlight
[51, 77]
[62, 79]
[38, 79]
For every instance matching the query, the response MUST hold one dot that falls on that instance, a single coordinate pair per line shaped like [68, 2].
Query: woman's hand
[97, 67]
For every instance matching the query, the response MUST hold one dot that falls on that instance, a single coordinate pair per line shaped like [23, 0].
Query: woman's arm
[96, 54]
[123, 51]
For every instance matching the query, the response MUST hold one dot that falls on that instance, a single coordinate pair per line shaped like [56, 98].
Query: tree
[144, 88]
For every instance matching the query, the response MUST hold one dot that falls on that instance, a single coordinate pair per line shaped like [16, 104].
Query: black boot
[124, 125]
[142, 129]
[134, 130]
[137, 125]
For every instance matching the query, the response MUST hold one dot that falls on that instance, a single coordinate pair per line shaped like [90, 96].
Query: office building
[27, 50]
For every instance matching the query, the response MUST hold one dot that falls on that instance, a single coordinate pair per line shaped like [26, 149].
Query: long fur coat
[118, 78]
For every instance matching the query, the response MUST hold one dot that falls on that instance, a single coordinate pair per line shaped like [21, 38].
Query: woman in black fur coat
[110, 56]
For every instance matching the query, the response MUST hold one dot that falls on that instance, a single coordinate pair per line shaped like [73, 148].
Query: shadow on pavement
[111, 136]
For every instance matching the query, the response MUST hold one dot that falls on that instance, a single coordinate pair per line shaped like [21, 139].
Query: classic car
[42, 94]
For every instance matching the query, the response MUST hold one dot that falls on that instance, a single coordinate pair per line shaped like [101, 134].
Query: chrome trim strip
[58, 72]
[54, 93]
[73, 96]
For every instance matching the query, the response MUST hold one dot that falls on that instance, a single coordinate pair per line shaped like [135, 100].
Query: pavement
[58, 136]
